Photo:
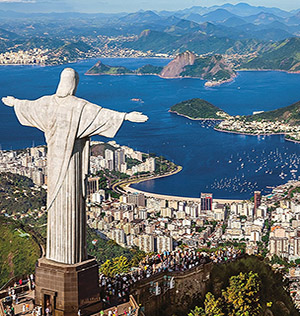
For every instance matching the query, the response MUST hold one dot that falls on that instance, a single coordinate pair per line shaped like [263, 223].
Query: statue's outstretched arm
[30, 112]
[9, 101]
[136, 117]
[96, 120]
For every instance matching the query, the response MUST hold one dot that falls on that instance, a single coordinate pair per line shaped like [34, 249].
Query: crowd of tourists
[14, 296]
[116, 290]
[114, 312]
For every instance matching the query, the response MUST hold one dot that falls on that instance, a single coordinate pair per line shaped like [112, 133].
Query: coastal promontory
[284, 120]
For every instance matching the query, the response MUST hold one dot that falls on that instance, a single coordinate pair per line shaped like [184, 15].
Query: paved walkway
[25, 302]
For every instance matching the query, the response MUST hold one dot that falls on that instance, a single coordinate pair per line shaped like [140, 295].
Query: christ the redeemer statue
[68, 123]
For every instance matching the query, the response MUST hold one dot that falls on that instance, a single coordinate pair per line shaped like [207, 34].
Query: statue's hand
[9, 101]
[136, 117]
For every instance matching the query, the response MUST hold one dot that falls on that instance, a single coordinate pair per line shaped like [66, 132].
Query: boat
[137, 100]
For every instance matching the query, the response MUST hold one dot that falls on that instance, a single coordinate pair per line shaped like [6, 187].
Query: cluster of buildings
[238, 59]
[264, 127]
[110, 46]
[246, 225]
[31, 162]
[35, 56]
[153, 224]
[115, 159]
[119, 52]
[269, 223]
[285, 231]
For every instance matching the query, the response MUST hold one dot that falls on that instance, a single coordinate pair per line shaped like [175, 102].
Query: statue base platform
[65, 288]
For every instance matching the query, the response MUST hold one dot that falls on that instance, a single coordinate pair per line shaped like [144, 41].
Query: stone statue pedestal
[65, 288]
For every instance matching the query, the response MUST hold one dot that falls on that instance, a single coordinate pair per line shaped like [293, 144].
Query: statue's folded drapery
[68, 123]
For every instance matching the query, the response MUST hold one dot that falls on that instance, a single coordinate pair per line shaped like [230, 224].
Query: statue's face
[69, 79]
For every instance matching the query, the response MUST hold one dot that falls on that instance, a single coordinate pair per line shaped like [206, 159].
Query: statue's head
[69, 79]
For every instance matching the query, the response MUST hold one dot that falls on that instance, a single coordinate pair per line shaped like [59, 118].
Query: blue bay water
[229, 166]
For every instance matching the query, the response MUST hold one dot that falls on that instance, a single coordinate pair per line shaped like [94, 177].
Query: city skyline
[117, 6]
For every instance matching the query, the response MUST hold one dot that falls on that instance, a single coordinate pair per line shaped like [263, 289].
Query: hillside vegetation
[198, 109]
[18, 250]
[18, 194]
[272, 296]
[100, 69]
[149, 69]
[283, 55]
[209, 68]
[289, 114]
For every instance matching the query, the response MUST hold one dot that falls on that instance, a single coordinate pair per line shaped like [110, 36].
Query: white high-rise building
[118, 235]
[146, 243]
[119, 159]
[109, 159]
[164, 244]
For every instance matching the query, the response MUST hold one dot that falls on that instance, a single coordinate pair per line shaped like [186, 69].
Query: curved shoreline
[196, 119]
[262, 70]
[257, 134]
[126, 183]
[126, 186]
[129, 189]
[207, 84]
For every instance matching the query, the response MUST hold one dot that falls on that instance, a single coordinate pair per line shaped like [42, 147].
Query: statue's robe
[68, 122]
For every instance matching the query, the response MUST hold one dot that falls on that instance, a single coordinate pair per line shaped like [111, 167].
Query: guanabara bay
[149, 158]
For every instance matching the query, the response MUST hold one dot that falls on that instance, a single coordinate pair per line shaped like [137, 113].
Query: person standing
[47, 311]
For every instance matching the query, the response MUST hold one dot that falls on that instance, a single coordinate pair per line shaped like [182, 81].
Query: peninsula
[198, 109]
[285, 121]
[212, 68]
[281, 121]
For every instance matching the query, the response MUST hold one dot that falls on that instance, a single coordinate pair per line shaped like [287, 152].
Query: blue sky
[131, 5]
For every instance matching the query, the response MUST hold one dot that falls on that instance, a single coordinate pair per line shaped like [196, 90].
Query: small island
[212, 68]
[198, 109]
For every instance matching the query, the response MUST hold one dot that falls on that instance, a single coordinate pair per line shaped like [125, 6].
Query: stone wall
[173, 293]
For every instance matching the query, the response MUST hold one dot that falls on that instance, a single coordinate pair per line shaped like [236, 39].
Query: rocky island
[198, 109]
[281, 121]
[212, 68]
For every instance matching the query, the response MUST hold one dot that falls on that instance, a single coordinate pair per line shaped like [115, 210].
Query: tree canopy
[240, 298]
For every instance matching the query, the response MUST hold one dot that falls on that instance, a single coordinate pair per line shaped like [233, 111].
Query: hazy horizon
[117, 6]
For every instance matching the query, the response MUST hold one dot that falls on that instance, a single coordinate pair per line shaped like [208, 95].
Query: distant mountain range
[235, 17]
[226, 29]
